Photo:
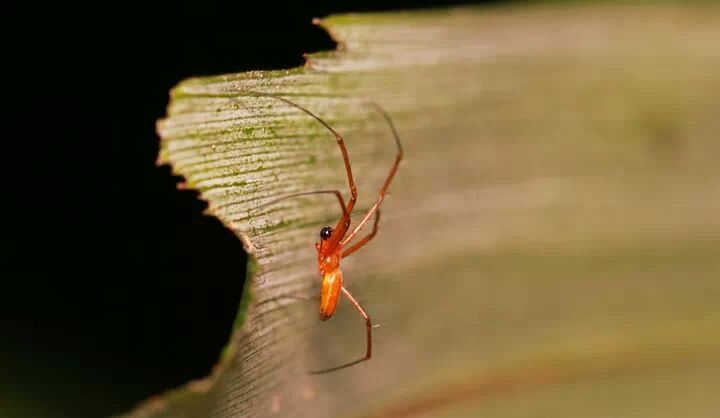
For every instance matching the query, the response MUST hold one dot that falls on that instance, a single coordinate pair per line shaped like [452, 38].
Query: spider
[333, 244]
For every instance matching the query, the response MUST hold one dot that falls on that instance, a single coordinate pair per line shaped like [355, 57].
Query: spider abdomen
[330, 293]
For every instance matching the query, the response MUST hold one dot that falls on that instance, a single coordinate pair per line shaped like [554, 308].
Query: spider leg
[368, 328]
[388, 180]
[365, 239]
[344, 223]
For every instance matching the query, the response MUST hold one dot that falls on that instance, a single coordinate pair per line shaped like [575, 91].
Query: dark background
[115, 286]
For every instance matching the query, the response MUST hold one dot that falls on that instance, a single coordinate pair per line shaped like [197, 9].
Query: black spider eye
[325, 233]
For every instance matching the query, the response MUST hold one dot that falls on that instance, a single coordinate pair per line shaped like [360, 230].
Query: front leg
[365, 239]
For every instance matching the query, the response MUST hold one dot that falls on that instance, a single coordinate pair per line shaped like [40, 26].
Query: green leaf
[551, 244]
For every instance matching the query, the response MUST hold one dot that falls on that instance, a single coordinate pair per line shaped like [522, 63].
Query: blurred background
[102, 253]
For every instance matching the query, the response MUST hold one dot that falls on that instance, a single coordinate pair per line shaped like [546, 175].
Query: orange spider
[332, 246]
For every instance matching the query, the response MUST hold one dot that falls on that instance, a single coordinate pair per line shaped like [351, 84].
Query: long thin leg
[365, 239]
[344, 223]
[368, 327]
[287, 196]
[388, 180]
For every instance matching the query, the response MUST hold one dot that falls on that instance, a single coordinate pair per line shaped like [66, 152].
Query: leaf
[550, 243]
